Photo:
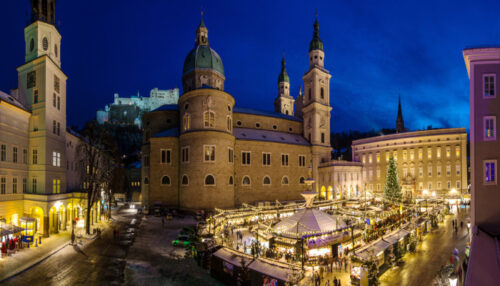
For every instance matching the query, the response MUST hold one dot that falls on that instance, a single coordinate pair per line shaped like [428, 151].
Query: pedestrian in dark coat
[335, 283]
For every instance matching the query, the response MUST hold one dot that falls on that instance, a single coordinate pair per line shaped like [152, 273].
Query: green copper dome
[283, 75]
[316, 43]
[203, 57]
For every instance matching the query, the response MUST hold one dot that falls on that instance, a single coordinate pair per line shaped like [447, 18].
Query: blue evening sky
[373, 49]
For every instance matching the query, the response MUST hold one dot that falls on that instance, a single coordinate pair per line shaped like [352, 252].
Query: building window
[489, 85]
[309, 93]
[14, 154]
[56, 159]
[58, 103]
[430, 186]
[448, 170]
[266, 181]
[185, 154]
[302, 161]
[370, 158]
[420, 171]
[25, 185]
[429, 171]
[457, 151]
[146, 181]
[404, 155]
[438, 187]
[31, 79]
[209, 119]
[420, 154]
[387, 155]
[420, 186]
[448, 185]
[457, 168]
[35, 156]
[209, 153]
[56, 84]
[35, 95]
[58, 128]
[187, 122]
[448, 151]
[378, 157]
[165, 156]
[458, 185]
[378, 173]
[14, 185]
[246, 180]
[229, 123]
[490, 171]
[429, 153]
[54, 100]
[490, 128]
[3, 183]
[185, 180]
[284, 180]
[322, 137]
[302, 180]
[33, 185]
[245, 158]
[230, 155]
[56, 186]
[266, 159]
[395, 155]
[438, 170]
[438, 152]
[3, 153]
[322, 93]
[405, 172]
[231, 180]
[25, 156]
[165, 180]
[284, 159]
[54, 127]
[363, 159]
[412, 154]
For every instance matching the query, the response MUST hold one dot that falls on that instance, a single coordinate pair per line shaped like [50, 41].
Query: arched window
[187, 121]
[266, 181]
[165, 180]
[230, 180]
[185, 180]
[146, 180]
[322, 93]
[284, 181]
[209, 180]
[246, 180]
[209, 119]
[301, 180]
[229, 123]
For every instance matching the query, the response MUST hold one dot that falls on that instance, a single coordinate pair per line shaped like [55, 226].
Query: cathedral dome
[203, 57]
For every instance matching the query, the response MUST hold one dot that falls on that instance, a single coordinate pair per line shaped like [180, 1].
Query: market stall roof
[309, 221]
[233, 257]
[271, 269]
[6, 229]
[27, 219]
[394, 237]
[374, 248]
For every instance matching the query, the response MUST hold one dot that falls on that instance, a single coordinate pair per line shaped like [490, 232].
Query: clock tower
[43, 84]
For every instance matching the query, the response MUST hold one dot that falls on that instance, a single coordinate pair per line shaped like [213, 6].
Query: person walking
[345, 264]
[327, 283]
[335, 283]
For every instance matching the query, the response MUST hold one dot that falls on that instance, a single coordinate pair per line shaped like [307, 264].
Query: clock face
[45, 44]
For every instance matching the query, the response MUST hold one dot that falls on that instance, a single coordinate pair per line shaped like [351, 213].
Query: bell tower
[284, 102]
[43, 84]
[316, 103]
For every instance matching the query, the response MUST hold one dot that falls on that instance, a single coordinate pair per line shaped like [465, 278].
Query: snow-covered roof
[270, 136]
[233, 257]
[309, 221]
[11, 100]
[373, 248]
[271, 270]
[395, 236]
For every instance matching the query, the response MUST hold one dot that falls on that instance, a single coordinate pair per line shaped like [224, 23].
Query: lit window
[490, 128]
[378, 157]
[370, 158]
[187, 122]
[489, 85]
[405, 172]
[245, 158]
[404, 155]
[387, 155]
[438, 152]
[209, 119]
[395, 155]
[363, 159]
[448, 151]
[429, 153]
[209, 153]
[412, 172]
[420, 154]
[457, 151]
[412, 154]
[56, 186]
[266, 159]
[56, 159]
[490, 171]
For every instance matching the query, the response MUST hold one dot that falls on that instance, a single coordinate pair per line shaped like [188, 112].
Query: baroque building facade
[38, 165]
[205, 152]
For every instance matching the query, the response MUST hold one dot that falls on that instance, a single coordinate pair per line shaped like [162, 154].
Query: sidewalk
[28, 257]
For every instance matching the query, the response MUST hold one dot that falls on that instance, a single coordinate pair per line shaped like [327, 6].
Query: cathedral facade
[206, 152]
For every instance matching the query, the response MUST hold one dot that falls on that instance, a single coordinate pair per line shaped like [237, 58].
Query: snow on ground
[152, 260]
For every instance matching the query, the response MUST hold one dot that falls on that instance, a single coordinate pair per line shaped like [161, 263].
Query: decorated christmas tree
[392, 191]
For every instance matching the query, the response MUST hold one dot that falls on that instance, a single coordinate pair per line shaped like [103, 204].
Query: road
[421, 268]
[99, 263]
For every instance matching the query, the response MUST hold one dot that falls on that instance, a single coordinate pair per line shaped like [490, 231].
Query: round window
[257, 125]
[45, 44]
[275, 127]
[238, 123]
[32, 45]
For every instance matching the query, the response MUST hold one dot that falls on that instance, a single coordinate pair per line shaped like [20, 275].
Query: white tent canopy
[309, 221]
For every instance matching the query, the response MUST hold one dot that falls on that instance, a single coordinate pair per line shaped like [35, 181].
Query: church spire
[283, 75]
[400, 124]
[202, 33]
[316, 43]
